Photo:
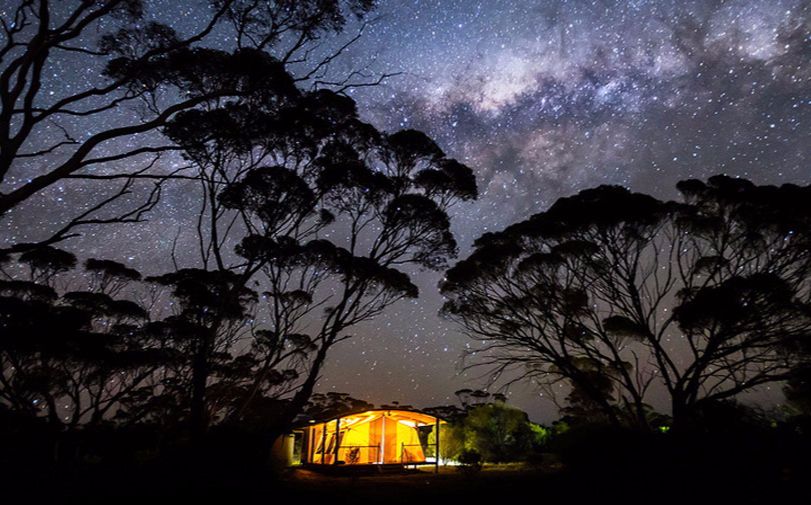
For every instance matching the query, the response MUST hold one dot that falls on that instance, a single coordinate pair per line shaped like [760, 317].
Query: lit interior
[371, 437]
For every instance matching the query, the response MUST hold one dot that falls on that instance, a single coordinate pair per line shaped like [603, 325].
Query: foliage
[495, 431]
[75, 357]
[309, 218]
[616, 292]
[330, 405]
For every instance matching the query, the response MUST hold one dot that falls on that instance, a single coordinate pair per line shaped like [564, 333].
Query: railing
[409, 454]
[354, 454]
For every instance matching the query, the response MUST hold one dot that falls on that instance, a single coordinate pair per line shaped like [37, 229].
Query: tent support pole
[337, 440]
[323, 443]
[436, 456]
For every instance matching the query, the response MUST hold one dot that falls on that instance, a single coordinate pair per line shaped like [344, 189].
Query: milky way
[542, 99]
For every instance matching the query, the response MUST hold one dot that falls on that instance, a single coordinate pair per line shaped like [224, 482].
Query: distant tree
[581, 405]
[332, 404]
[44, 263]
[499, 432]
[470, 398]
[700, 297]
[798, 390]
[72, 357]
[496, 431]
[110, 277]
[446, 412]
[211, 308]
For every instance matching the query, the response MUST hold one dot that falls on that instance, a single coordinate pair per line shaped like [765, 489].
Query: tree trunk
[682, 413]
[200, 370]
[284, 423]
[302, 396]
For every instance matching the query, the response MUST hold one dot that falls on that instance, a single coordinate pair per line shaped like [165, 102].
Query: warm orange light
[375, 436]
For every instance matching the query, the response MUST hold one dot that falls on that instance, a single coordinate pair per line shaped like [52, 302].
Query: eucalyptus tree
[620, 295]
[306, 213]
[58, 133]
[85, 87]
[54, 132]
[318, 212]
[73, 356]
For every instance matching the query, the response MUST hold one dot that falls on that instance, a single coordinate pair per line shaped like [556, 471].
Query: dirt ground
[546, 485]
[423, 485]
[646, 483]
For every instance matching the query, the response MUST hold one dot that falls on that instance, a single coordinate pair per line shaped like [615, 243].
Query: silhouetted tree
[62, 136]
[317, 211]
[699, 297]
[211, 308]
[798, 390]
[329, 405]
[446, 412]
[72, 357]
[469, 398]
[285, 173]
[44, 263]
[40, 131]
[581, 405]
[110, 277]
[348, 180]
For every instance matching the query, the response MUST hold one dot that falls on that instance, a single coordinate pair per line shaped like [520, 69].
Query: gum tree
[618, 293]
[102, 132]
[318, 213]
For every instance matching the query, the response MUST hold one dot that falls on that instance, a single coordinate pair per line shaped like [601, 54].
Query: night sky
[541, 98]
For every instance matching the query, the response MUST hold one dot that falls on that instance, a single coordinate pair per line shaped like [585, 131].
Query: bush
[497, 432]
[470, 462]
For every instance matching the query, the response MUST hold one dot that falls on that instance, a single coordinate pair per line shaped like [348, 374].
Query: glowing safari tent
[373, 437]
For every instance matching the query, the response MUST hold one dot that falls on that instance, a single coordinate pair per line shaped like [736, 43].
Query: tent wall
[281, 452]
[367, 438]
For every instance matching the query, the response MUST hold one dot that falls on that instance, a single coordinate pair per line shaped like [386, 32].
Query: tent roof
[405, 414]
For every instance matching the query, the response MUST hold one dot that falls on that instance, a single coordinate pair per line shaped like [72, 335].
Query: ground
[417, 485]
[545, 484]
[449, 486]
[549, 484]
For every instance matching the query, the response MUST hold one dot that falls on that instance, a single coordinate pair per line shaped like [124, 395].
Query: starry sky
[542, 98]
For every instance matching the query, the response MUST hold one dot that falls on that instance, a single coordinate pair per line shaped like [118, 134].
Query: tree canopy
[620, 294]
[310, 220]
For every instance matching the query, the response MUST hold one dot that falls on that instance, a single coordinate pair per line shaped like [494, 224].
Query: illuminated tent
[380, 436]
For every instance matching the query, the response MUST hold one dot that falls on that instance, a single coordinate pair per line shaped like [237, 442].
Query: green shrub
[498, 432]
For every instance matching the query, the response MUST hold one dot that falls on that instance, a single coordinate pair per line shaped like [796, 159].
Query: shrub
[470, 462]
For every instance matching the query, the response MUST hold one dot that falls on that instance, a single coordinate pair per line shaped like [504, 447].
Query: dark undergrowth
[587, 465]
